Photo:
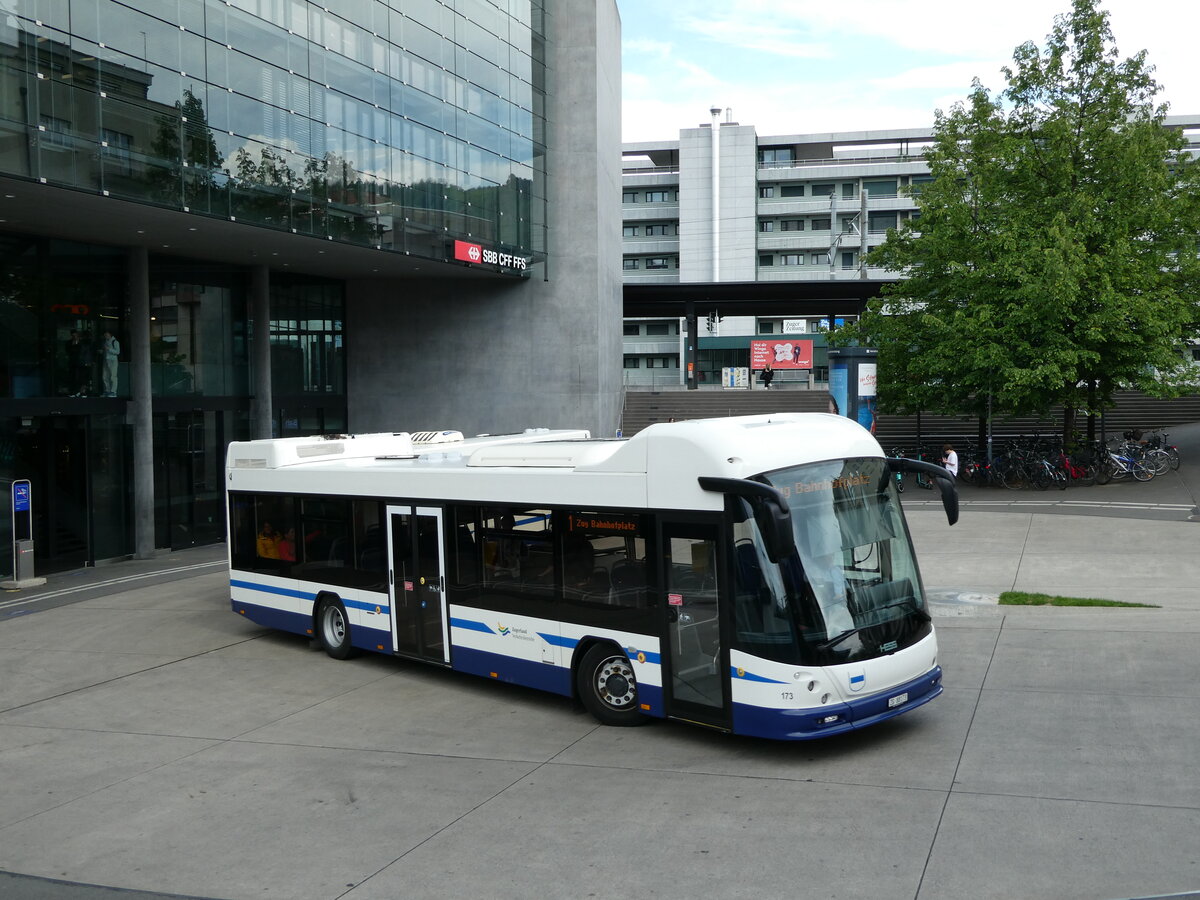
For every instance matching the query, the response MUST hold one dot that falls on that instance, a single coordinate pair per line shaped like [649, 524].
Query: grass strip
[1024, 598]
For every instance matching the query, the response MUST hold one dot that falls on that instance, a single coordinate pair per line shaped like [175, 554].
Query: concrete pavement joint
[482, 803]
[962, 748]
[62, 592]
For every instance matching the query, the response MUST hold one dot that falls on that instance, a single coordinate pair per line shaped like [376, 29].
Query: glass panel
[694, 629]
[404, 579]
[52, 288]
[196, 339]
[860, 595]
[429, 583]
[307, 353]
[122, 105]
[604, 560]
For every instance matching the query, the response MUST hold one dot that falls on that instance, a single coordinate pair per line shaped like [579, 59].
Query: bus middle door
[697, 687]
[417, 583]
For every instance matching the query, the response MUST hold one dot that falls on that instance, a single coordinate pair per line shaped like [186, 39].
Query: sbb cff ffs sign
[465, 251]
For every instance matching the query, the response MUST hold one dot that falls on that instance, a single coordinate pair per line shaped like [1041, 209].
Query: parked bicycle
[1121, 463]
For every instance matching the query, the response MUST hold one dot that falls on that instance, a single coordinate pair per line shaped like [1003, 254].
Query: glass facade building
[399, 126]
[383, 123]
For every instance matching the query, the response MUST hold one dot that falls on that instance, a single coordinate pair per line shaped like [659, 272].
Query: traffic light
[712, 322]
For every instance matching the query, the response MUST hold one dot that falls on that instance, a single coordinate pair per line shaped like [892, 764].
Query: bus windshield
[852, 590]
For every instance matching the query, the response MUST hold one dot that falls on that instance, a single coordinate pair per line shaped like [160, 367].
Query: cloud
[940, 77]
[734, 31]
[698, 75]
[647, 47]
[804, 66]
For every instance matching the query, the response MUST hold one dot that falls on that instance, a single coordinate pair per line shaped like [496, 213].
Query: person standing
[110, 349]
[79, 365]
[950, 459]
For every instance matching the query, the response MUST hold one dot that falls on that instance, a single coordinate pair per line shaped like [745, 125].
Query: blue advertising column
[853, 376]
[21, 508]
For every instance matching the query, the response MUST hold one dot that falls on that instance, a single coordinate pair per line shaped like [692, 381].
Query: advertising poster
[783, 353]
[866, 395]
[838, 385]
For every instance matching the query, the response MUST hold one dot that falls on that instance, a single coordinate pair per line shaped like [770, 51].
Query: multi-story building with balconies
[722, 205]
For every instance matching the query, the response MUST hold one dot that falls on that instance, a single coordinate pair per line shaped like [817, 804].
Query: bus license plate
[898, 700]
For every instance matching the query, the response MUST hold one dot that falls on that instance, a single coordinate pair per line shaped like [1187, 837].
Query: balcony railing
[843, 161]
[651, 170]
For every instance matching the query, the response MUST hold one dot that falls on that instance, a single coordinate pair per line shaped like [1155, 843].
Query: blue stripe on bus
[470, 625]
[539, 675]
[365, 606]
[735, 672]
[557, 640]
[272, 589]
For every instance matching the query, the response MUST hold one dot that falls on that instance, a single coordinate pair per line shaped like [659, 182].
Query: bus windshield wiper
[834, 641]
[920, 613]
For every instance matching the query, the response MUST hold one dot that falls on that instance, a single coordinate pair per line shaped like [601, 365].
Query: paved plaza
[153, 741]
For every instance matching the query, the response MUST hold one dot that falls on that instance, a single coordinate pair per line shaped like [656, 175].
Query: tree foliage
[1055, 257]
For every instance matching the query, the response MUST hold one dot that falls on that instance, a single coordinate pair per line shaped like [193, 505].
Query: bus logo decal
[503, 629]
[857, 682]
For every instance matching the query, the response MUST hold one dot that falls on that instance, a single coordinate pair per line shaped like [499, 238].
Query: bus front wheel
[334, 629]
[608, 687]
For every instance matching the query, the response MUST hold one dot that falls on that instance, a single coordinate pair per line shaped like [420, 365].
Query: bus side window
[518, 550]
[324, 540]
[603, 559]
[465, 553]
[274, 533]
[370, 554]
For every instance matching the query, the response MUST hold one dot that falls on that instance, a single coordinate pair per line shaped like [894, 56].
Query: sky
[808, 66]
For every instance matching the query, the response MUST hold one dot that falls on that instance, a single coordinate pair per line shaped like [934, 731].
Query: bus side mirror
[772, 515]
[943, 479]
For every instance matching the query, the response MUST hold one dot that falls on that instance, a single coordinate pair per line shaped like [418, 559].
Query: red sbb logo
[474, 253]
[466, 252]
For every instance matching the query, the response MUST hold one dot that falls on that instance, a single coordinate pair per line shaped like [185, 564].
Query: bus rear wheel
[333, 627]
[608, 687]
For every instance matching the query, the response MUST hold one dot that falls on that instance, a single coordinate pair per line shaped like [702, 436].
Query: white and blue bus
[751, 574]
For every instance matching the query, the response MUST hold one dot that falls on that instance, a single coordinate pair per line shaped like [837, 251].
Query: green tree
[1055, 256]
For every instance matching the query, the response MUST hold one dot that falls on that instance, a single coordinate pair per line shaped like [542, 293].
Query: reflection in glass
[328, 130]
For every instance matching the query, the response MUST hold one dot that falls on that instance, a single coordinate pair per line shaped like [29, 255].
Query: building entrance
[187, 488]
[51, 451]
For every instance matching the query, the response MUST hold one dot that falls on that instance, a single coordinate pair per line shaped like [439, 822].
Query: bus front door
[417, 583]
[697, 688]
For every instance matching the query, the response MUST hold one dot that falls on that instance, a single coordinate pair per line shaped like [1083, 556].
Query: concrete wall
[739, 203]
[695, 204]
[496, 354]
[738, 152]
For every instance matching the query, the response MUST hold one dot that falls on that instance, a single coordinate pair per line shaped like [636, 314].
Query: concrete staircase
[644, 408]
[1133, 410]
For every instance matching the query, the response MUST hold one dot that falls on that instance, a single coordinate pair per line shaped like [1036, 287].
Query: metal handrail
[841, 161]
